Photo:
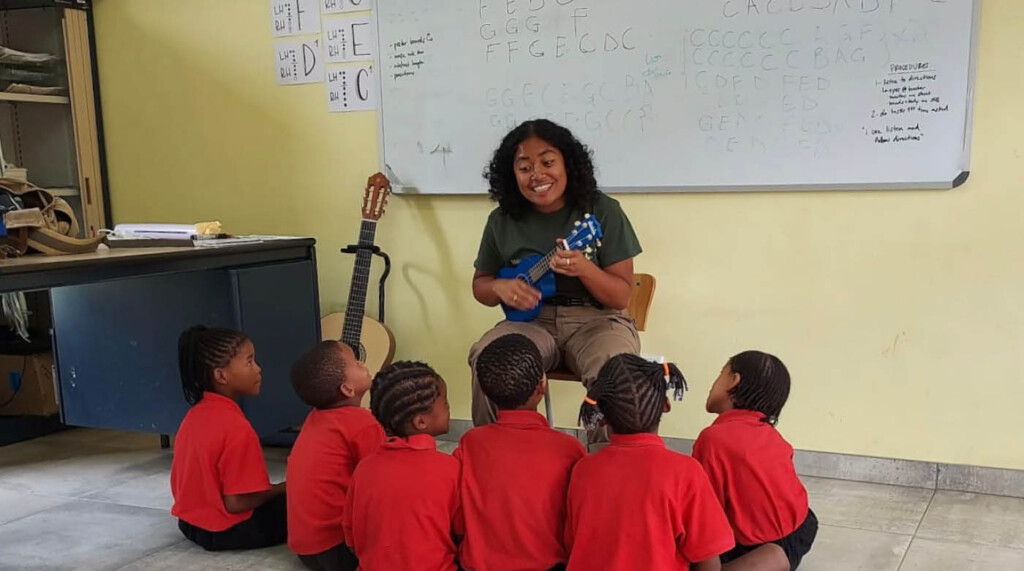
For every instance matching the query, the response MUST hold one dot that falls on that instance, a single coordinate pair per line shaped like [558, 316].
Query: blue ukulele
[536, 270]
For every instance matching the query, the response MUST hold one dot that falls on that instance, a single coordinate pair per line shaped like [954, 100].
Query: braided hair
[318, 373]
[629, 393]
[763, 386]
[202, 349]
[401, 391]
[509, 370]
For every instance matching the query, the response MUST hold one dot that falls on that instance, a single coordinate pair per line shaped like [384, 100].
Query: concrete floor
[94, 499]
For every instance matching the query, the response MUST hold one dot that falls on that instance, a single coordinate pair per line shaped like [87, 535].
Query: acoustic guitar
[536, 270]
[371, 340]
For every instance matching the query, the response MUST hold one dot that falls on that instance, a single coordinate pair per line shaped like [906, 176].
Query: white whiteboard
[691, 95]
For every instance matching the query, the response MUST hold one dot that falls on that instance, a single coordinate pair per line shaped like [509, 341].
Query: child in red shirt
[751, 467]
[515, 473]
[636, 504]
[336, 435]
[222, 493]
[403, 502]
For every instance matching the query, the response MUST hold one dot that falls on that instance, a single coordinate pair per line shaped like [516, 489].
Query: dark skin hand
[241, 503]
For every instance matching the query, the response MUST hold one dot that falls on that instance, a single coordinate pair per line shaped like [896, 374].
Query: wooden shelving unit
[55, 137]
[29, 98]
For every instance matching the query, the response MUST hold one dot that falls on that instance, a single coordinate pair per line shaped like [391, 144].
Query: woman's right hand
[516, 294]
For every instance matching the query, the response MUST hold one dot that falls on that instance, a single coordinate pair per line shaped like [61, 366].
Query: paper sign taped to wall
[351, 88]
[349, 38]
[294, 17]
[341, 6]
[298, 62]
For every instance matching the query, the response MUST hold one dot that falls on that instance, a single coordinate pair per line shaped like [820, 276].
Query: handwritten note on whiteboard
[341, 6]
[351, 89]
[349, 38]
[294, 17]
[298, 62]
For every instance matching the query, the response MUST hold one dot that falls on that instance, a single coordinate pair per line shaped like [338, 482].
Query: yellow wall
[900, 314]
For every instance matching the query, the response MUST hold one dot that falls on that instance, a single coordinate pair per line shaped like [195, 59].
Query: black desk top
[43, 272]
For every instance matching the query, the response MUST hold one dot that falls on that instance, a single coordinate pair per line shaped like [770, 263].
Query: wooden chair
[639, 307]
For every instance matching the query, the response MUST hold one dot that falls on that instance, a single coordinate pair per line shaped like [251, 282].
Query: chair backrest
[640, 299]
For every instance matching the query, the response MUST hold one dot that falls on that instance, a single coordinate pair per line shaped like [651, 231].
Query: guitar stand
[375, 250]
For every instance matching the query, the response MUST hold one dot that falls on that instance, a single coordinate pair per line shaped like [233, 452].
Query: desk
[117, 314]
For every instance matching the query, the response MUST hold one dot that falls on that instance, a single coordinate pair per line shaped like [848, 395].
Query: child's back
[402, 510]
[403, 505]
[329, 447]
[637, 505]
[749, 457]
[515, 475]
[750, 465]
[336, 435]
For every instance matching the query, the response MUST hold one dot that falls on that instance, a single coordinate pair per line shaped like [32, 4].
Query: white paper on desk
[173, 231]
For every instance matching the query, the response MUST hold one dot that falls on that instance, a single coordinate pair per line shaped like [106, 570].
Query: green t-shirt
[506, 242]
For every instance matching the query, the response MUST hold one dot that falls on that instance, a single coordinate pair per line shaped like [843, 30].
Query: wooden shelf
[29, 98]
[64, 191]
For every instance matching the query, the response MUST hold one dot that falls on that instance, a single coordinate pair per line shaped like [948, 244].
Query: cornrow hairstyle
[763, 386]
[509, 370]
[202, 349]
[318, 373]
[629, 393]
[401, 391]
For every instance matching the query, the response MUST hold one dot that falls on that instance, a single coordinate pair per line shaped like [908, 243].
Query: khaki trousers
[580, 338]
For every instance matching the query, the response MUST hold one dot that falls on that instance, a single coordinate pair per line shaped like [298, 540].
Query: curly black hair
[580, 187]
[318, 373]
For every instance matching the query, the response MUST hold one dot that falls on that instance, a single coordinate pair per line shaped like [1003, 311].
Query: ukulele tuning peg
[576, 223]
[589, 250]
[598, 242]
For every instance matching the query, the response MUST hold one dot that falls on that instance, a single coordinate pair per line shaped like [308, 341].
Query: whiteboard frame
[397, 187]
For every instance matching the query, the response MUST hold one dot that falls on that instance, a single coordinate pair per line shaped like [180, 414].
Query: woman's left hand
[571, 263]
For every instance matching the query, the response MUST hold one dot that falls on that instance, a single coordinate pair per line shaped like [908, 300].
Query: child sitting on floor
[751, 467]
[222, 493]
[336, 435]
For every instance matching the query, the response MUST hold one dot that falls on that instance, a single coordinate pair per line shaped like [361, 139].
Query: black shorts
[267, 527]
[796, 544]
[337, 558]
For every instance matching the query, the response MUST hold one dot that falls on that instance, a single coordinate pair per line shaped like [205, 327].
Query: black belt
[569, 301]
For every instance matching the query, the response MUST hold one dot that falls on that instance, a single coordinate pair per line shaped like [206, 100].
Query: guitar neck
[356, 307]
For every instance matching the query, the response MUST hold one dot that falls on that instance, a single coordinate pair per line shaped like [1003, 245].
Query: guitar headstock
[585, 233]
[375, 197]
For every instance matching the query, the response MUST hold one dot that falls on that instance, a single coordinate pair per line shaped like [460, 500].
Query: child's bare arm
[238, 503]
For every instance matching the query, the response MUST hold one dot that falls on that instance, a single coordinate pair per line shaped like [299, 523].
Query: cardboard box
[36, 395]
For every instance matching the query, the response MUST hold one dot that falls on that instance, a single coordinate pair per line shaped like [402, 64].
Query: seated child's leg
[784, 554]
[768, 557]
[267, 527]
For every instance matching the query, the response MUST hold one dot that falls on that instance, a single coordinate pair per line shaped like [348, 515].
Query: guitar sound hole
[361, 353]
